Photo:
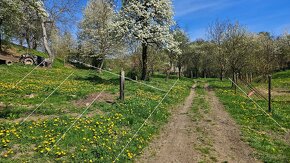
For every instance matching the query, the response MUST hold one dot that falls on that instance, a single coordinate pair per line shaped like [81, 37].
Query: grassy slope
[270, 141]
[17, 50]
[98, 137]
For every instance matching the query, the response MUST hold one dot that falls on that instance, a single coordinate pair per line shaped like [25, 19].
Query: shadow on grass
[162, 76]
[10, 113]
[98, 80]
[282, 75]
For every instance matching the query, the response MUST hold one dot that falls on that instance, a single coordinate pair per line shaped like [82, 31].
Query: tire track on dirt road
[226, 134]
[175, 143]
[212, 137]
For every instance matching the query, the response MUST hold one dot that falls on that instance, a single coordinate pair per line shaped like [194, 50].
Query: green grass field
[269, 140]
[99, 135]
[106, 127]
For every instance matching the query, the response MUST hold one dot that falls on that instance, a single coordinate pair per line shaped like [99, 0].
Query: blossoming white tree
[96, 30]
[38, 7]
[147, 22]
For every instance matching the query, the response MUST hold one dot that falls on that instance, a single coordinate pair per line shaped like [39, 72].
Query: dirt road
[213, 138]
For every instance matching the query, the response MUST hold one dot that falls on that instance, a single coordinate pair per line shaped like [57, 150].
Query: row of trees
[34, 23]
[146, 30]
[143, 30]
[231, 49]
[106, 29]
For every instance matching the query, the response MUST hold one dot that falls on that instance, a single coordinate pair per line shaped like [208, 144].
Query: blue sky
[194, 16]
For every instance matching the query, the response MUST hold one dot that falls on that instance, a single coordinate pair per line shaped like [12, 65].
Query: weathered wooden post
[269, 93]
[122, 85]
[235, 82]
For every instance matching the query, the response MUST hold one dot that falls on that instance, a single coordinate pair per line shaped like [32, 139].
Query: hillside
[14, 50]
[37, 110]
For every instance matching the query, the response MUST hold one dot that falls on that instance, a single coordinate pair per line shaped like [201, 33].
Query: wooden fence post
[122, 85]
[269, 93]
[235, 82]
[251, 77]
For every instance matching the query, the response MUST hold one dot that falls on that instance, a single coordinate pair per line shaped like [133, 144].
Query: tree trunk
[21, 41]
[152, 70]
[221, 74]
[179, 72]
[0, 42]
[27, 40]
[1, 21]
[191, 74]
[101, 66]
[144, 61]
[234, 79]
[34, 43]
[45, 42]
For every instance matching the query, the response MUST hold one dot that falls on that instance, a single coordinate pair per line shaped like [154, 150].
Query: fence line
[145, 121]
[75, 61]
[284, 129]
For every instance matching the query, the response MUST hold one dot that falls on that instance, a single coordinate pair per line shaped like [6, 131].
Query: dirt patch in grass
[287, 137]
[104, 97]
[2, 106]
[22, 154]
[274, 92]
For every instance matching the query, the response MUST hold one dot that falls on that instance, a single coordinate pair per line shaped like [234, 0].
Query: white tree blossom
[96, 29]
[148, 22]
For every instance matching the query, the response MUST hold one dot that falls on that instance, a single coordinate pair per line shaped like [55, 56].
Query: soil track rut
[175, 144]
[182, 138]
[226, 135]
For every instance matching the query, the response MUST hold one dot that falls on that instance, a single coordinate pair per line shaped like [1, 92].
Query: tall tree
[237, 47]
[284, 54]
[10, 16]
[96, 30]
[29, 29]
[216, 33]
[63, 13]
[267, 53]
[62, 45]
[183, 40]
[38, 7]
[147, 22]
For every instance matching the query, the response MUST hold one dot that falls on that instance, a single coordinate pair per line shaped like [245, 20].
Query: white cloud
[186, 7]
